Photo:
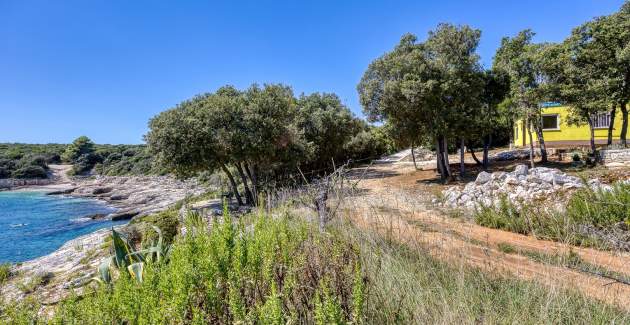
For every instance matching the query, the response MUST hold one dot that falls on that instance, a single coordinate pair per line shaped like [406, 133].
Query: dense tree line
[106, 159]
[28, 160]
[436, 91]
[31, 160]
[259, 136]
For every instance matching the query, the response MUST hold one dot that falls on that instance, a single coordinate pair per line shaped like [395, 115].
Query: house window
[601, 120]
[550, 122]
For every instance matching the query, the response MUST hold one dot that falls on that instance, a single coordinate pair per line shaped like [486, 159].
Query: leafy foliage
[271, 273]
[601, 209]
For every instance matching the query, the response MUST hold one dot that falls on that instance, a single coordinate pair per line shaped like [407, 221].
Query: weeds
[37, 280]
[601, 210]
[5, 272]
[274, 271]
[407, 286]
[506, 248]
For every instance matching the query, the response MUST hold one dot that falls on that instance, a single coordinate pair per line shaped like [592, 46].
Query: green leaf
[104, 270]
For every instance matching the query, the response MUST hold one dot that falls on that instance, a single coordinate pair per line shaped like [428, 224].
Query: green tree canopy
[79, 147]
[433, 87]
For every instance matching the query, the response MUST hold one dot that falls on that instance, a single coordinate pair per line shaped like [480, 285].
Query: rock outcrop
[134, 195]
[521, 185]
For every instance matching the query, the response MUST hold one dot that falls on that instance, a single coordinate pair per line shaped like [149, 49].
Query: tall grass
[601, 208]
[407, 286]
[280, 269]
[598, 209]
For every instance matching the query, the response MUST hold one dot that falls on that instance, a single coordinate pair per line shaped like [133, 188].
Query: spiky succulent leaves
[122, 249]
[104, 271]
[136, 270]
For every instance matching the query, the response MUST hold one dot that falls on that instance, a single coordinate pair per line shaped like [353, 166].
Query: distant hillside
[19, 160]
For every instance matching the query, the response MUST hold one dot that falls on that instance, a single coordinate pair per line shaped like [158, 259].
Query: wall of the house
[567, 134]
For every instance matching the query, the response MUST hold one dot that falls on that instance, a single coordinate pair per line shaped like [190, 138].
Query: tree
[79, 147]
[583, 81]
[490, 117]
[431, 86]
[244, 130]
[186, 139]
[327, 125]
[520, 59]
[609, 43]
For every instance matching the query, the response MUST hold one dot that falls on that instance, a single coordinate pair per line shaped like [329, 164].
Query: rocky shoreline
[132, 196]
[75, 263]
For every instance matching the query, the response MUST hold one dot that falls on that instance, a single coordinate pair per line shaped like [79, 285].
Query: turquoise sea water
[33, 224]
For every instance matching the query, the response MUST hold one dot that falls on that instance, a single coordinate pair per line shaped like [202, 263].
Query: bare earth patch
[395, 200]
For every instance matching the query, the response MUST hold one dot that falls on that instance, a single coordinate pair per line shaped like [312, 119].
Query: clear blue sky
[103, 68]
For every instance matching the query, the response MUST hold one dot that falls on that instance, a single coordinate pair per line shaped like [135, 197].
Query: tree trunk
[613, 111]
[442, 159]
[541, 142]
[531, 144]
[486, 147]
[439, 159]
[447, 164]
[589, 119]
[413, 156]
[462, 164]
[472, 153]
[248, 192]
[624, 124]
[252, 176]
[233, 183]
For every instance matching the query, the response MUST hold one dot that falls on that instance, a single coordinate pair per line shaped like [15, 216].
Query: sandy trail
[395, 201]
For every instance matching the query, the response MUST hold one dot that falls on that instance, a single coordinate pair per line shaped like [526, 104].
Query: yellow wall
[566, 132]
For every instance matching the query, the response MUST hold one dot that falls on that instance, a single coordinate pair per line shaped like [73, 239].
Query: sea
[33, 224]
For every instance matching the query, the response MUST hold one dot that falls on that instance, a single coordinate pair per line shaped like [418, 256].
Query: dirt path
[395, 201]
[60, 173]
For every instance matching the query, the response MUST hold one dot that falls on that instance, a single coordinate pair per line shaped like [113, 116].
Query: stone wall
[615, 157]
[6, 183]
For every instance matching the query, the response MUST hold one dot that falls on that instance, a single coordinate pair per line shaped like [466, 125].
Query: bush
[5, 272]
[167, 221]
[30, 172]
[270, 273]
[37, 161]
[5, 172]
[601, 208]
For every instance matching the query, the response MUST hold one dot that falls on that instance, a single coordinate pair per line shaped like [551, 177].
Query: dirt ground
[395, 200]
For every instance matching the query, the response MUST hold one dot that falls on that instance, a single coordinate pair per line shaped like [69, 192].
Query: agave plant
[125, 258]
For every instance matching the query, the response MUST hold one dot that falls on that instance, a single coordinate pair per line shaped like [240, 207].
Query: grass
[5, 272]
[600, 209]
[407, 286]
[506, 248]
[37, 280]
[267, 271]
[281, 269]
[571, 260]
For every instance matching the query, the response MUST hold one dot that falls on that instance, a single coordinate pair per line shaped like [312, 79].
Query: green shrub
[270, 272]
[601, 208]
[30, 172]
[506, 216]
[167, 221]
[5, 272]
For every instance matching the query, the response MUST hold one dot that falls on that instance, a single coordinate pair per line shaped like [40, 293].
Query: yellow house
[558, 133]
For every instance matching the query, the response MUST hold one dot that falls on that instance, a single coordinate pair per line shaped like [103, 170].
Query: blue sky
[103, 68]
